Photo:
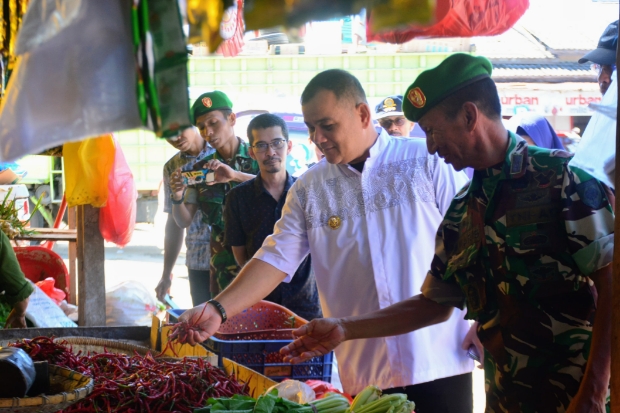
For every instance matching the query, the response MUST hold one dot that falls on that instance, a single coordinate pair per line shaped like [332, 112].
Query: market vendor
[526, 249]
[16, 287]
[368, 214]
[231, 163]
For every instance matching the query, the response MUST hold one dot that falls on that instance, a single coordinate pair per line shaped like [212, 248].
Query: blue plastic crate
[262, 356]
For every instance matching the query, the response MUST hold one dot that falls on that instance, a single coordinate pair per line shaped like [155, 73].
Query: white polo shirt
[376, 252]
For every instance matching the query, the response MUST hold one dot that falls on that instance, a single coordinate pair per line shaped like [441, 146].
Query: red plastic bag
[322, 388]
[47, 286]
[117, 218]
[464, 18]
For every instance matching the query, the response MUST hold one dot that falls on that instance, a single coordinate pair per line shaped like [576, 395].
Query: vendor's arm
[321, 336]
[593, 390]
[17, 317]
[224, 173]
[16, 287]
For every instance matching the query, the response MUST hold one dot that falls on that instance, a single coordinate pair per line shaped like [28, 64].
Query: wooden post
[615, 318]
[91, 271]
[73, 279]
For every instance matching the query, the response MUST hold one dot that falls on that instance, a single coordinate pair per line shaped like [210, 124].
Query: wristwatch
[220, 309]
[175, 202]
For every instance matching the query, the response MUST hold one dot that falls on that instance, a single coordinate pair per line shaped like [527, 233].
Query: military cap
[208, 102]
[390, 106]
[434, 85]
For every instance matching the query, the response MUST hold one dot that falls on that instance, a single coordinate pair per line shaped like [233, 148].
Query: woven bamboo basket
[99, 345]
[68, 386]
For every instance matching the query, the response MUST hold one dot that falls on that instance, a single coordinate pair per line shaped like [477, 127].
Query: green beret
[208, 102]
[434, 85]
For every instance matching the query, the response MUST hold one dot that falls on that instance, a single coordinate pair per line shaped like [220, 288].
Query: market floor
[142, 259]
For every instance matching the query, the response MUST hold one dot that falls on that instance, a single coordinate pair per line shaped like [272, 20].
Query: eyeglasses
[387, 123]
[598, 69]
[275, 144]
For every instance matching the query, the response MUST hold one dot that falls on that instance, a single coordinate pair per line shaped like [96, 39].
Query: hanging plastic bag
[596, 153]
[47, 286]
[130, 304]
[87, 169]
[118, 217]
[458, 18]
[79, 83]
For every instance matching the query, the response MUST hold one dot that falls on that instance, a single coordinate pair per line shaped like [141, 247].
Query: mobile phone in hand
[197, 177]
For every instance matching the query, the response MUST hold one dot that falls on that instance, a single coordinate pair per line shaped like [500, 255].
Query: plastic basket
[254, 337]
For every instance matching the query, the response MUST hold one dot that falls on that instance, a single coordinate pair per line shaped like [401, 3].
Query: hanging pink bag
[118, 217]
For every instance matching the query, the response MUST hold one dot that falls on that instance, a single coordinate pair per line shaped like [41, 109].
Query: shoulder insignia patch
[591, 193]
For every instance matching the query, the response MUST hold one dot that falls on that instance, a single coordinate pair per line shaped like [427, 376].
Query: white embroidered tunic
[372, 239]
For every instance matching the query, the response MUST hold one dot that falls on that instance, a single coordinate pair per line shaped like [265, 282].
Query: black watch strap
[219, 308]
[175, 202]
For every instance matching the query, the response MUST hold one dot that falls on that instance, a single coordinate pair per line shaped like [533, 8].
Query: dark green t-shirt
[12, 280]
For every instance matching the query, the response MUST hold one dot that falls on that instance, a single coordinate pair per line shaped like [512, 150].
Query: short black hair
[340, 82]
[483, 93]
[264, 121]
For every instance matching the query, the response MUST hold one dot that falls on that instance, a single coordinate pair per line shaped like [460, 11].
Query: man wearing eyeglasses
[231, 164]
[253, 207]
[389, 114]
[191, 147]
[603, 58]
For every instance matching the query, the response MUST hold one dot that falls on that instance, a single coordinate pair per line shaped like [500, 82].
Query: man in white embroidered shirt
[369, 213]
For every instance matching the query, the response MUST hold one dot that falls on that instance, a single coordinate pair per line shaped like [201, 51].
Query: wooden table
[50, 234]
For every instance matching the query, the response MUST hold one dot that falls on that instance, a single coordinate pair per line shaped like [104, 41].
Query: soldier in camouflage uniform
[231, 163]
[526, 247]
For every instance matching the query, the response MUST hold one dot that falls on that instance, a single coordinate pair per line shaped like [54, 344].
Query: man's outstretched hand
[314, 339]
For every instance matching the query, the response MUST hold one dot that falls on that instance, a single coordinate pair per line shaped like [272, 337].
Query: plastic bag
[461, 18]
[293, 390]
[42, 311]
[47, 286]
[80, 82]
[118, 217]
[322, 388]
[130, 304]
[596, 153]
[87, 169]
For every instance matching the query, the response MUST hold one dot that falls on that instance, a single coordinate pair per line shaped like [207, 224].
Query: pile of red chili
[137, 383]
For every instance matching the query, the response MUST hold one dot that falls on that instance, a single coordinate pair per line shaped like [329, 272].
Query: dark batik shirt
[250, 215]
[518, 246]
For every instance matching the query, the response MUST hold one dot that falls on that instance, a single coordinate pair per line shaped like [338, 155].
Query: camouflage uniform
[517, 246]
[210, 200]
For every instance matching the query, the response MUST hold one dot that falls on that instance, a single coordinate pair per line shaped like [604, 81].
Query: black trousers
[199, 285]
[447, 395]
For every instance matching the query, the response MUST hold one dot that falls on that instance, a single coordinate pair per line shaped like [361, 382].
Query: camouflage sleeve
[589, 220]
[191, 196]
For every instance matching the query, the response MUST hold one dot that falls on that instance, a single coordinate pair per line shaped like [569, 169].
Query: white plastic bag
[294, 390]
[596, 153]
[42, 311]
[130, 304]
[71, 84]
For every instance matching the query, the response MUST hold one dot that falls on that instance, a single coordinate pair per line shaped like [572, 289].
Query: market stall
[90, 274]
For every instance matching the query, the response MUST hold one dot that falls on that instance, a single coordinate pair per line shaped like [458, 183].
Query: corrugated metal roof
[543, 72]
